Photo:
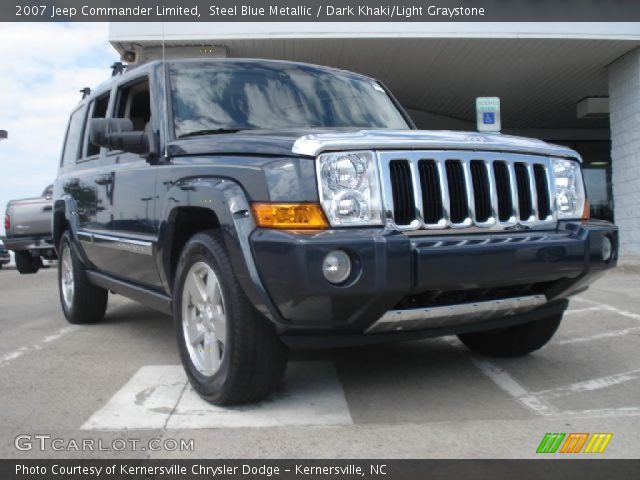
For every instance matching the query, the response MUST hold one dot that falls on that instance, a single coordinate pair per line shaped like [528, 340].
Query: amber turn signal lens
[292, 216]
[586, 211]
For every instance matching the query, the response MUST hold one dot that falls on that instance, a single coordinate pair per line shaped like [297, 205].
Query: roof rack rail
[117, 68]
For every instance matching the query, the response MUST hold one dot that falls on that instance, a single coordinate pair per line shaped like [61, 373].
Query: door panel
[128, 224]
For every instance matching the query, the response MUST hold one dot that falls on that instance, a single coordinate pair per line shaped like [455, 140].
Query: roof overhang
[540, 70]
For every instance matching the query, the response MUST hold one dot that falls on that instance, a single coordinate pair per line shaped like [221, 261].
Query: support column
[624, 107]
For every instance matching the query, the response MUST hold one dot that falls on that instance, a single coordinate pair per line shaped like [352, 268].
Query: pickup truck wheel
[27, 263]
[229, 351]
[513, 341]
[82, 302]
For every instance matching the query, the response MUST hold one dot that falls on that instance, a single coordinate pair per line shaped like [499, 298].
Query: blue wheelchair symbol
[488, 118]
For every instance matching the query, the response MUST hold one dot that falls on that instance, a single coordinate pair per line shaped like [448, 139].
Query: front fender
[230, 204]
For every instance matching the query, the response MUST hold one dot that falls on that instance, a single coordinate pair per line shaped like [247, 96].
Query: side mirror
[118, 134]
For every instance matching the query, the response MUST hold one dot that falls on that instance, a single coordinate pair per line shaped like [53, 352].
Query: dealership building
[576, 84]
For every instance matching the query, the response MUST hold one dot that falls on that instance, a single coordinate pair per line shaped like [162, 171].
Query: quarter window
[71, 149]
[99, 110]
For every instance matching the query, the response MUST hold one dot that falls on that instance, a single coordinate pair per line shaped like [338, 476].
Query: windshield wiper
[213, 131]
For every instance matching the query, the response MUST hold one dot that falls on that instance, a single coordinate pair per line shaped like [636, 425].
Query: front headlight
[570, 194]
[349, 188]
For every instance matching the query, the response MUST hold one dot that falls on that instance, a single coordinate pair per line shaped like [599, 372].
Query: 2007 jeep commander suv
[271, 204]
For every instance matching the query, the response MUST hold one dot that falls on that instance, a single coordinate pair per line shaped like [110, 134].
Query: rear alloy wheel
[82, 302]
[513, 341]
[230, 352]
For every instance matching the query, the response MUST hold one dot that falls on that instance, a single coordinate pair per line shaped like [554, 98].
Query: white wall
[624, 102]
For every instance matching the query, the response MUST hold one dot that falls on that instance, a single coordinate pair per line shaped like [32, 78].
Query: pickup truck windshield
[217, 98]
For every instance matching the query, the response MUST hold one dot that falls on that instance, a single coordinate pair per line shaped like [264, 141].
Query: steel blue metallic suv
[270, 204]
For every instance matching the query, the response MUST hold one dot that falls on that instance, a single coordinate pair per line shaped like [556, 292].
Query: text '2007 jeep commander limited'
[272, 204]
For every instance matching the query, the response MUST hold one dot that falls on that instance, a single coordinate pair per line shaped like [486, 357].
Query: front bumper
[396, 271]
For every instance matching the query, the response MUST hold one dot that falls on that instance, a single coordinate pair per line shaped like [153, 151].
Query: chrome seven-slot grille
[464, 190]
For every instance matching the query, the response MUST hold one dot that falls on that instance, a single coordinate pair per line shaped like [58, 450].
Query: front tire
[513, 341]
[229, 351]
[82, 302]
[26, 263]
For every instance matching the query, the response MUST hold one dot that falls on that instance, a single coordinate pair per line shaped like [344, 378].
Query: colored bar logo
[574, 442]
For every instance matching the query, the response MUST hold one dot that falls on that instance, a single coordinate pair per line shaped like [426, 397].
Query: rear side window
[71, 150]
[99, 110]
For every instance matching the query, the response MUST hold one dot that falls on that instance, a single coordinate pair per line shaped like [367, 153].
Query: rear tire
[230, 352]
[82, 302]
[513, 341]
[26, 263]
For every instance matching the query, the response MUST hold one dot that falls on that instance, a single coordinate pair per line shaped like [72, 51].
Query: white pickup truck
[28, 228]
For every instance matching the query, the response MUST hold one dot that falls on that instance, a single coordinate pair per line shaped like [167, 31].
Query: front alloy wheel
[204, 321]
[230, 352]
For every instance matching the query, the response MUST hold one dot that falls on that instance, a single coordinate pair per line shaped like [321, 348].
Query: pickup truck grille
[436, 190]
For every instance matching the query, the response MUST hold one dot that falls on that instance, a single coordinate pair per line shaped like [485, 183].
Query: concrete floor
[120, 382]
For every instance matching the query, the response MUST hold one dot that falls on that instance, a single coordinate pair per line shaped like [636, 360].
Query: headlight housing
[349, 188]
[570, 193]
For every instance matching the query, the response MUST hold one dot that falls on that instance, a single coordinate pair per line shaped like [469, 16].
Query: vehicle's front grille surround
[463, 190]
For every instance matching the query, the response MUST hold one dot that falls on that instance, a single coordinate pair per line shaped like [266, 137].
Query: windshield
[220, 97]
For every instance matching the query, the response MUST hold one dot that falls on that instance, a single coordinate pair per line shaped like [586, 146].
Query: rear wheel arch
[60, 225]
[61, 221]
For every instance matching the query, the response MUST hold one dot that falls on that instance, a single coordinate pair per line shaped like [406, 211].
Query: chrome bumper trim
[448, 315]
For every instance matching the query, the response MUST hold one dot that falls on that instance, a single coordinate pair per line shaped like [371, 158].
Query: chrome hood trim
[314, 144]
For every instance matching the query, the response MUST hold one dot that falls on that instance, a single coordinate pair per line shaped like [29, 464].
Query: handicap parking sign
[488, 114]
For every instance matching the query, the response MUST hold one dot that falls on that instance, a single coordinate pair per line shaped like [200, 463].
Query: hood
[311, 142]
[247, 142]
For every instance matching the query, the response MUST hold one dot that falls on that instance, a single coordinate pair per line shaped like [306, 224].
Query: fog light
[607, 249]
[336, 266]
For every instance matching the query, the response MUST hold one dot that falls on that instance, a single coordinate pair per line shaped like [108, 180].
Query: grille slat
[503, 189]
[481, 194]
[431, 191]
[459, 208]
[436, 190]
[524, 190]
[542, 191]
[404, 210]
